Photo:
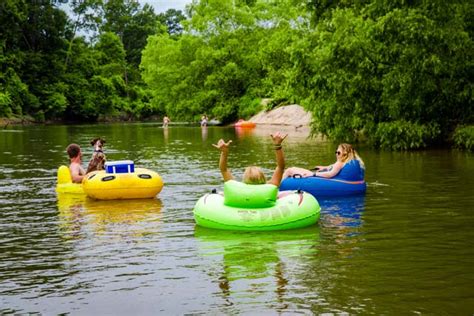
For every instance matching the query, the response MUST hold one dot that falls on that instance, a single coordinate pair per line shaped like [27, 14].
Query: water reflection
[71, 213]
[242, 132]
[265, 258]
[294, 133]
[342, 221]
[342, 212]
[165, 134]
[204, 133]
[117, 218]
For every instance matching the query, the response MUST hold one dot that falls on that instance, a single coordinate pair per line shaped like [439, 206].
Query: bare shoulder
[75, 167]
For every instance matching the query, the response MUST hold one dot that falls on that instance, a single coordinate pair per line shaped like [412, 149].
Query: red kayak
[242, 123]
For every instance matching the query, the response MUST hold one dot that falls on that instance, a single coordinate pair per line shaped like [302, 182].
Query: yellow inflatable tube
[141, 184]
[65, 184]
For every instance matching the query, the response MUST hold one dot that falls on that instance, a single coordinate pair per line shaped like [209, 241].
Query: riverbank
[26, 120]
[292, 118]
[289, 115]
[292, 115]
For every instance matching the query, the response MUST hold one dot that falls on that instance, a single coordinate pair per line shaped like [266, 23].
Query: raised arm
[277, 139]
[224, 148]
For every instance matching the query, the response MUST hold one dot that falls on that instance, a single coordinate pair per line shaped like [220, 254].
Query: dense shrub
[5, 102]
[464, 137]
[403, 135]
[248, 107]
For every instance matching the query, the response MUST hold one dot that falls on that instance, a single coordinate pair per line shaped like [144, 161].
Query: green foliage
[104, 93]
[131, 24]
[50, 73]
[249, 107]
[464, 137]
[55, 104]
[110, 50]
[391, 73]
[221, 62]
[5, 104]
[18, 93]
[39, 116]
[403, 135]
[172, 19]
[396, 73]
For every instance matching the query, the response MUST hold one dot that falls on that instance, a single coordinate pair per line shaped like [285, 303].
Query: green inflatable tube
[290, 210]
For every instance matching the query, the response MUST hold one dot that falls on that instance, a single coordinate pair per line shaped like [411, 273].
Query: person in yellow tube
[75, 156]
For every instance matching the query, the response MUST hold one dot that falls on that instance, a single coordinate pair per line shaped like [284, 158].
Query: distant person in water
[75, 156]
[204, 120]
[166, 121]
[253, 174]
[345, 154]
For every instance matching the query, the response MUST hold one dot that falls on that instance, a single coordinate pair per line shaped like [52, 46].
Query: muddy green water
[406, 247]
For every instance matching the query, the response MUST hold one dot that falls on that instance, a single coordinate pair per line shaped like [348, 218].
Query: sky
[164, 5]
[159, 5]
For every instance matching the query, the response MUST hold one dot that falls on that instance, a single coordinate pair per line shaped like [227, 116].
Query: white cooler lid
[118, 163]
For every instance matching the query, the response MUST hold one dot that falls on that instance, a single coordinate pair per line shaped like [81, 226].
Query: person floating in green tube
[254, 174]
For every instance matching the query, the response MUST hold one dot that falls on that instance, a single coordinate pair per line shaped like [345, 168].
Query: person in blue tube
[348, 166]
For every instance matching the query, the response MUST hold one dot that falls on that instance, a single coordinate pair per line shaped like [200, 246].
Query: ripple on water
[405, 247]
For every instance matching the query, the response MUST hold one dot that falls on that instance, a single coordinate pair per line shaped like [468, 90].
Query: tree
[85, 19]
[220, 64]
[172, 19]
[396, 75]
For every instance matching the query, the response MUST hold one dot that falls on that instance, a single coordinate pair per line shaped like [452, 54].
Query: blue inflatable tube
[349, 181]
[322, 187]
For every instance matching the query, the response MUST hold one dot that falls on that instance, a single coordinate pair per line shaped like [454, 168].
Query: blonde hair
[350, 153]
[253, 175]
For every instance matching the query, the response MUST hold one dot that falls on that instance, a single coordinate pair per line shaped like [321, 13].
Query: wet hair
[349, 153]
[253, 175]
[73, 150]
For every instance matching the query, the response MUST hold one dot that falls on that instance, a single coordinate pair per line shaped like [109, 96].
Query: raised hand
[278, 138]
[222, 145]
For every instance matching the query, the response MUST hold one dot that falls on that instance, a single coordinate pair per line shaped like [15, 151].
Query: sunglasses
[338, 152]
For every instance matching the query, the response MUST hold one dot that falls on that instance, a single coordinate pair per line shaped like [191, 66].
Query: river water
[406, 247]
